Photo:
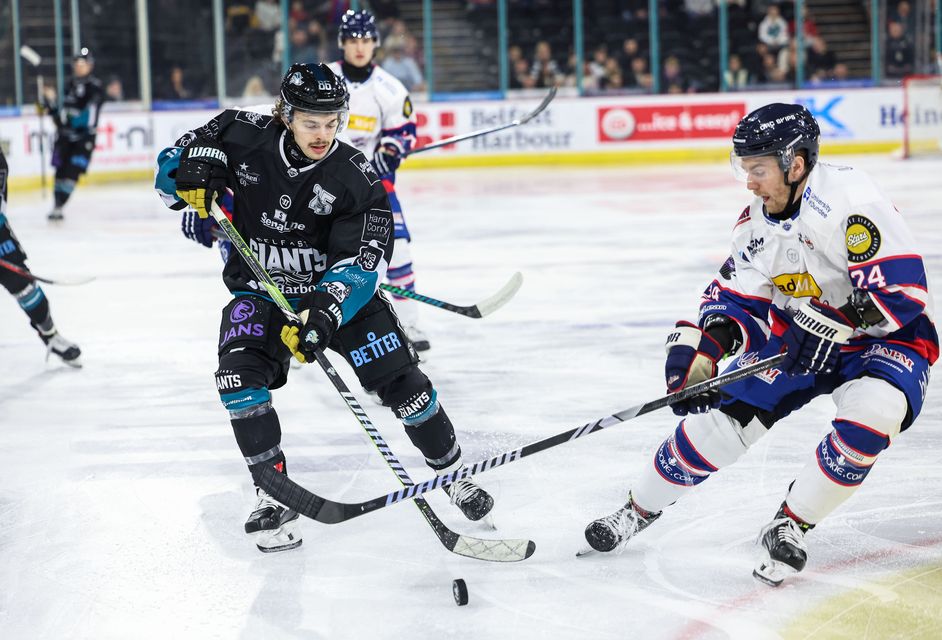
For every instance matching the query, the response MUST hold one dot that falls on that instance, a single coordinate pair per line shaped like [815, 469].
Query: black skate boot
[474, 502]
[274, 527]
[784, 549]
[65, 350]
[614, 531]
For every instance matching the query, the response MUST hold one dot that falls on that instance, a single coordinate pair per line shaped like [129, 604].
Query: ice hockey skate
[55, 215]
[417, 337]
[66, 351]
[274, 527]
[474, 502]
[613, 532]
[784, 549]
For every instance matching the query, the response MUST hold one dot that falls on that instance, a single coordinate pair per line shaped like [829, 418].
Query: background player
[29, 295]
[318, 218]
[824, 269]
[382, 126]
[76, 121]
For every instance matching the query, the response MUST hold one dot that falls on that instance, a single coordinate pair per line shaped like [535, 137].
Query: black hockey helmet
[357, 24]
[313, 88]
[776, 129]
[84, 54]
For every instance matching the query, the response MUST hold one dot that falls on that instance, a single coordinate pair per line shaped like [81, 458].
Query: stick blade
[494, 550]
[30, 55]
[546, 100]
[502, 297]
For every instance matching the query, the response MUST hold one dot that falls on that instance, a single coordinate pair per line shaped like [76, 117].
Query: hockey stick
[493, 550]
[328, 511]
[483, 308]
[32, 56]
[483, 132]
[26, 273]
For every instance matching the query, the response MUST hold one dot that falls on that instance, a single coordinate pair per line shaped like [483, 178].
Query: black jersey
[77, 116]
[325, 223]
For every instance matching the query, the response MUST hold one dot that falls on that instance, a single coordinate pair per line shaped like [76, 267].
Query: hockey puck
[460, 590]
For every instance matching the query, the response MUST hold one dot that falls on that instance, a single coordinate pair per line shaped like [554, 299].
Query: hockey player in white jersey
[382, 127]
[824, 270]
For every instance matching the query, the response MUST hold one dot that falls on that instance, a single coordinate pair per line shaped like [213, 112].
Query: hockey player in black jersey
[28, 294]
[318, 219]
[76, 119]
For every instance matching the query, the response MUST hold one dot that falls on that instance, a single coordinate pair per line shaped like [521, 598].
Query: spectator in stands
[698, 11]
[630, 49]
[672, 77]
[178, 86]
[773, 30]
[404, 68]
[613, 78]
[301, 48]
[298, 13]
[904, 15]
[268, 15]
[545, 72]
[810, 33]
[787, 60]
[114, 89]
[899, 52]
[633, 10]
[639, 78]
[819, 60]
[736, 75]
[841, 72]
[770, 72]
[520, 77]
[255, 88]
[596, 68]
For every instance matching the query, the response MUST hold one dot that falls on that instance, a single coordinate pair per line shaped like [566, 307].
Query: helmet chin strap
[794, 186]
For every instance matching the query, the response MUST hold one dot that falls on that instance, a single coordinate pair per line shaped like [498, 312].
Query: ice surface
[124, 493]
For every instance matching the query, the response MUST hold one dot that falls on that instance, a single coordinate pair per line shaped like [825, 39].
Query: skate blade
[284, 538]
[585, 551]
[772, 572]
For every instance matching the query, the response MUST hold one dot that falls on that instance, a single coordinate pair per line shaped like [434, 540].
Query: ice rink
[124, 493]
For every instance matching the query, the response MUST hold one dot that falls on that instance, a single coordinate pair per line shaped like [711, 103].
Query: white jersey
[380, 108]
[846, 235]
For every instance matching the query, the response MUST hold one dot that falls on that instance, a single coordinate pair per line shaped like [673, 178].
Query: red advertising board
[668, 122]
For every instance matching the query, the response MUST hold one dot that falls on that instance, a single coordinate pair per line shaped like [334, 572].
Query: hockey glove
[691, 358]
[198, 229]
[388, 156]
[321, 316]
[202, 174]
[814, 338]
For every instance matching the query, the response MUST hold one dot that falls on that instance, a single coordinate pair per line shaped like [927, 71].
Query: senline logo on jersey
[797, 285]
[279, 222]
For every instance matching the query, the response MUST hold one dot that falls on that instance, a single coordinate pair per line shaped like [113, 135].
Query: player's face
[358, 51]
[314, 133]
[764, 179]
[81, 68]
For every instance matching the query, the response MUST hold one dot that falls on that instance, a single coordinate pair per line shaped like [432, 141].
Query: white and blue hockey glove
[813, 340]
[691, 358]
[198, 229]
[388, 156]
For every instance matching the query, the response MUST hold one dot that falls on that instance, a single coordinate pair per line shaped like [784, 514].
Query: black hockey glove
[387, 157]
[321, 315]
[202, 174]
[814, 338]
[691, 358]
